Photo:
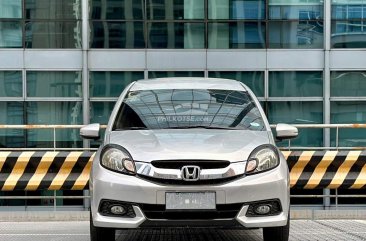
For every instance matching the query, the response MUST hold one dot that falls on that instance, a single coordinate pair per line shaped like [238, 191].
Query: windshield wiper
[202, 127]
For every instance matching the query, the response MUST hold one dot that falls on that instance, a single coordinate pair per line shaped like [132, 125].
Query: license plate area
[190, 200]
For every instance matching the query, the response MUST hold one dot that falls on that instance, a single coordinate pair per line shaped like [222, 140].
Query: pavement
[301, 230]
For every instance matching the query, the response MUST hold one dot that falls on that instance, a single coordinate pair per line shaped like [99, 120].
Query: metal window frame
[290, 98]
[344, 98]
[24, 11]
[108, 98]
[49, 98]
[17, 98]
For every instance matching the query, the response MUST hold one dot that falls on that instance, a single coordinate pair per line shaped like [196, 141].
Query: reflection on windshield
[188, 108]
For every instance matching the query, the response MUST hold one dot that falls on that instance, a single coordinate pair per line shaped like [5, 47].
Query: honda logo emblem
[191, 173]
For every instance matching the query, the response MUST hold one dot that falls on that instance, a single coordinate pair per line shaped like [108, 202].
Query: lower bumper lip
[149, 223]
[260, 222]
[117, 222]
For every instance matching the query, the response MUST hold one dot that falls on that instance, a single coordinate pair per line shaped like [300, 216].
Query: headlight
[262, 159]
[117, 159]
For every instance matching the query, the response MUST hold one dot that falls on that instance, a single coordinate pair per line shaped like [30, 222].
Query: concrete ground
[301, 230]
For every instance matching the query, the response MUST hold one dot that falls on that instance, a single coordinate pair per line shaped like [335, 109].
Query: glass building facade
[67, 61]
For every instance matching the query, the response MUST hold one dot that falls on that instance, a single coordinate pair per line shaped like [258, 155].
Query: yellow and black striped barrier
[70, 170]
[32, 171]
[327, 169]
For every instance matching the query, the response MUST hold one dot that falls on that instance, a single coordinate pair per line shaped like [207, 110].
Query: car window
[188, 108]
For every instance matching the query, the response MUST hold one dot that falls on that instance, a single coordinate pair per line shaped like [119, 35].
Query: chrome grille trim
[178, 164]
[148, 170]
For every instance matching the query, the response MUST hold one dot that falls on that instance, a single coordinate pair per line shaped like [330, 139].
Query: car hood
[203, 144]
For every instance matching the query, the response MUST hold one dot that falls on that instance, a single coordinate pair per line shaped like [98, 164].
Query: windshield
[188, 108]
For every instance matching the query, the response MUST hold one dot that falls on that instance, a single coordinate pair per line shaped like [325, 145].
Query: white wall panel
[53, 59]
[11, 59]
[348, 59]
[236, 59]
[176, 59]
[295, 59]
[116, 59]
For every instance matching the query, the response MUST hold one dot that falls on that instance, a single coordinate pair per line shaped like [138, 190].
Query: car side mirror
[285, 131]
[91, 131]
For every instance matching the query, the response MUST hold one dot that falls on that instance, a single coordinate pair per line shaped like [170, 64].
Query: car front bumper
[270, 185]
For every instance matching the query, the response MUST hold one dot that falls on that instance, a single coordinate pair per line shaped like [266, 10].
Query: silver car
[189, 152]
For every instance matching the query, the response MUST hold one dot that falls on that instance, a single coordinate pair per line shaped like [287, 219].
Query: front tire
[101, 234]
[277, 233]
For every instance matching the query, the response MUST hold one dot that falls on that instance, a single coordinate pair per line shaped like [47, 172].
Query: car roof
[188, 83]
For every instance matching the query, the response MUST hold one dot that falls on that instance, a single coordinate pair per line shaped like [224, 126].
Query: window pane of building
[176, 35]
[296, 112]
[307, 32]
[175, 9]
[352, 112]
[10, 34]
[50, 113]
[296, 34]
[295, 83]
[296, 9]
[348, 9]
[11, 84]
[236, 9]
[44, 138]
[348, 83]
[253, 79]
[12, 113]
[117, 9]
[11, 9]
[47, 203]
[236, 35]
[53, 9]
[100, 112]
[349, 24]
[54, 84]
[9, 203]
[53, 35]
[111, 84]
[117, 35]
[58, 113]
[349, 34]
[164, 74]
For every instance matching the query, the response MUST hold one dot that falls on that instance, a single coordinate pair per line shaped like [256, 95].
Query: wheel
[101, 234]
[277, 233]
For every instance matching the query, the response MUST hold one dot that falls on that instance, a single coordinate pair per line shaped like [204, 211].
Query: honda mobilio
[189, 152]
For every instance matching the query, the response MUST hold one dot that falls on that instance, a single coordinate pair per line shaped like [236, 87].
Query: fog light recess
[116, 209]
[264, 208]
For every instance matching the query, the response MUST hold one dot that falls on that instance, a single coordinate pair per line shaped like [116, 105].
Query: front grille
[223, 211]
[182, 182]
[178, 164]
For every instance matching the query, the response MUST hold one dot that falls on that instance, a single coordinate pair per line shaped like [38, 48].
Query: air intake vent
[223, 211]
